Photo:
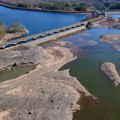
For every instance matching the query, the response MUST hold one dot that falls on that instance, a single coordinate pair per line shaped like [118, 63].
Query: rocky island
[110, 70]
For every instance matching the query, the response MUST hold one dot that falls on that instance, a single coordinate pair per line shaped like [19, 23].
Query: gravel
[21, 55]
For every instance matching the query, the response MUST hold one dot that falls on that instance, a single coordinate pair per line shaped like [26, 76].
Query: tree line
[55, 6]
[74, 7]
[67, 5]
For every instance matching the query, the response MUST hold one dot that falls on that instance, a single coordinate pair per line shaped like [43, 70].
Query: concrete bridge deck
[46, 36]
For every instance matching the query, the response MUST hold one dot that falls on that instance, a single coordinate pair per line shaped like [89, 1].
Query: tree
[80, 7]
[17, 27]
[2, 30]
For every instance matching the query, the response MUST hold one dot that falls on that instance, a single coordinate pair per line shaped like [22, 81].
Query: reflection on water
[87, 71]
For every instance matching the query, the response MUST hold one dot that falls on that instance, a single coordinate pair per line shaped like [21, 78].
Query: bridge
[40, 36]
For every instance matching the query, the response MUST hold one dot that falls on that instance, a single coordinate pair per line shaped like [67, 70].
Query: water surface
[38, 21]
[87, 70]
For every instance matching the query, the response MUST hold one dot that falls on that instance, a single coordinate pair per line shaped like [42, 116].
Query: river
[38, 21]
[35, 22]
[87, 70]
[87, 67]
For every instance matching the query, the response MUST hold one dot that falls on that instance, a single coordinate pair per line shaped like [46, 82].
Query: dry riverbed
[45, 93]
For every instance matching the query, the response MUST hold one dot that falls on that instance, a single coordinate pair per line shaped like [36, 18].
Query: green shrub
[53, 6]
[80, 8]
[23, 5]
[116, 6]
[2, 30]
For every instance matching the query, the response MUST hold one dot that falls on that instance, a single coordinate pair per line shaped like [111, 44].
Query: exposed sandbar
[110, 70]
[113, 39]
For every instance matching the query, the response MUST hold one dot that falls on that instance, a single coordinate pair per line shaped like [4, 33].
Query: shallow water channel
[87, 70]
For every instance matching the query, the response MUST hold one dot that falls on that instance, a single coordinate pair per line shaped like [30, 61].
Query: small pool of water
[10, 74]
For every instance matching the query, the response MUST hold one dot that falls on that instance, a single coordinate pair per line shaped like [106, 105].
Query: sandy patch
[14, 91]
[110, 70]
[3, 115]
[113, 39]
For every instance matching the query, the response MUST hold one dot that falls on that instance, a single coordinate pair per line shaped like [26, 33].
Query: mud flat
[110, 70]
[113, 39]
[45, 93]
[20, 55]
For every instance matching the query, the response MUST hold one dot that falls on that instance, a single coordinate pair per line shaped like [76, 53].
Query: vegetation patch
[13, 28]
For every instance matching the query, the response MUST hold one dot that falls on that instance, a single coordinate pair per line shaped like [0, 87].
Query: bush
[52, 6]
[2, 30]
[116, 6]
[23, 5]
[16, 27]
[2, 34]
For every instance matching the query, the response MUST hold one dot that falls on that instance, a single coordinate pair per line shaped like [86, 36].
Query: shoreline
[44, 10]
[57, 84]
[55, 11]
